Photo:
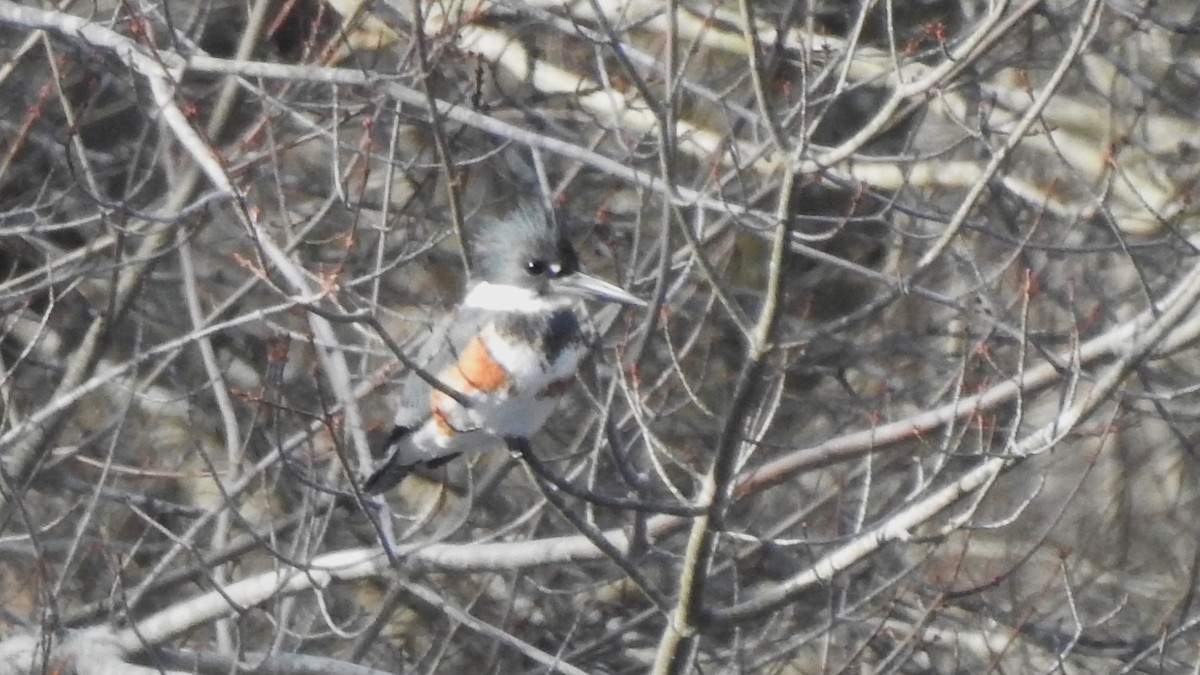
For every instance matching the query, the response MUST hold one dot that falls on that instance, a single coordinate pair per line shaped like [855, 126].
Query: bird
[497, 365]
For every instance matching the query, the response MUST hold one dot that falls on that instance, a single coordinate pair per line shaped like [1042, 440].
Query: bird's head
[524, 254]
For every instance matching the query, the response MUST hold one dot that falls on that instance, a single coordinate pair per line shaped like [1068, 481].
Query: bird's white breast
[525, 406]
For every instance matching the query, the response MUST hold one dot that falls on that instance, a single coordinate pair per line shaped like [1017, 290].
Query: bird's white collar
[509, 298]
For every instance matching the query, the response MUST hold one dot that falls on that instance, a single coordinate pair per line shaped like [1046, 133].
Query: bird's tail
[386, 477]
[393, 472]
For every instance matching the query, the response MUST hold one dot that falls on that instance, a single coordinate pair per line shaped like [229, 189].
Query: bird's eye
[535, 267]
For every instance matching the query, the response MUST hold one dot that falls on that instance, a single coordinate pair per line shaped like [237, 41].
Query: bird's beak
[591, 288]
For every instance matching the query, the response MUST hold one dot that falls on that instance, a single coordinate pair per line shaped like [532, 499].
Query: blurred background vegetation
[921, 353]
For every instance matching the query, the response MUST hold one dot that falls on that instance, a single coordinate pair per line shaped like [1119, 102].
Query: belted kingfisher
[505, 355]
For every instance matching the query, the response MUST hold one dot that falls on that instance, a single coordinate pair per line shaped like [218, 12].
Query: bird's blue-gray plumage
[507, 352]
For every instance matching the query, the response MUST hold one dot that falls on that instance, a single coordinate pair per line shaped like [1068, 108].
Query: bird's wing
[442, 348]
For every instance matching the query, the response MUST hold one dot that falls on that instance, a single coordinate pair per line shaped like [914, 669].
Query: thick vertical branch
[680, 639]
